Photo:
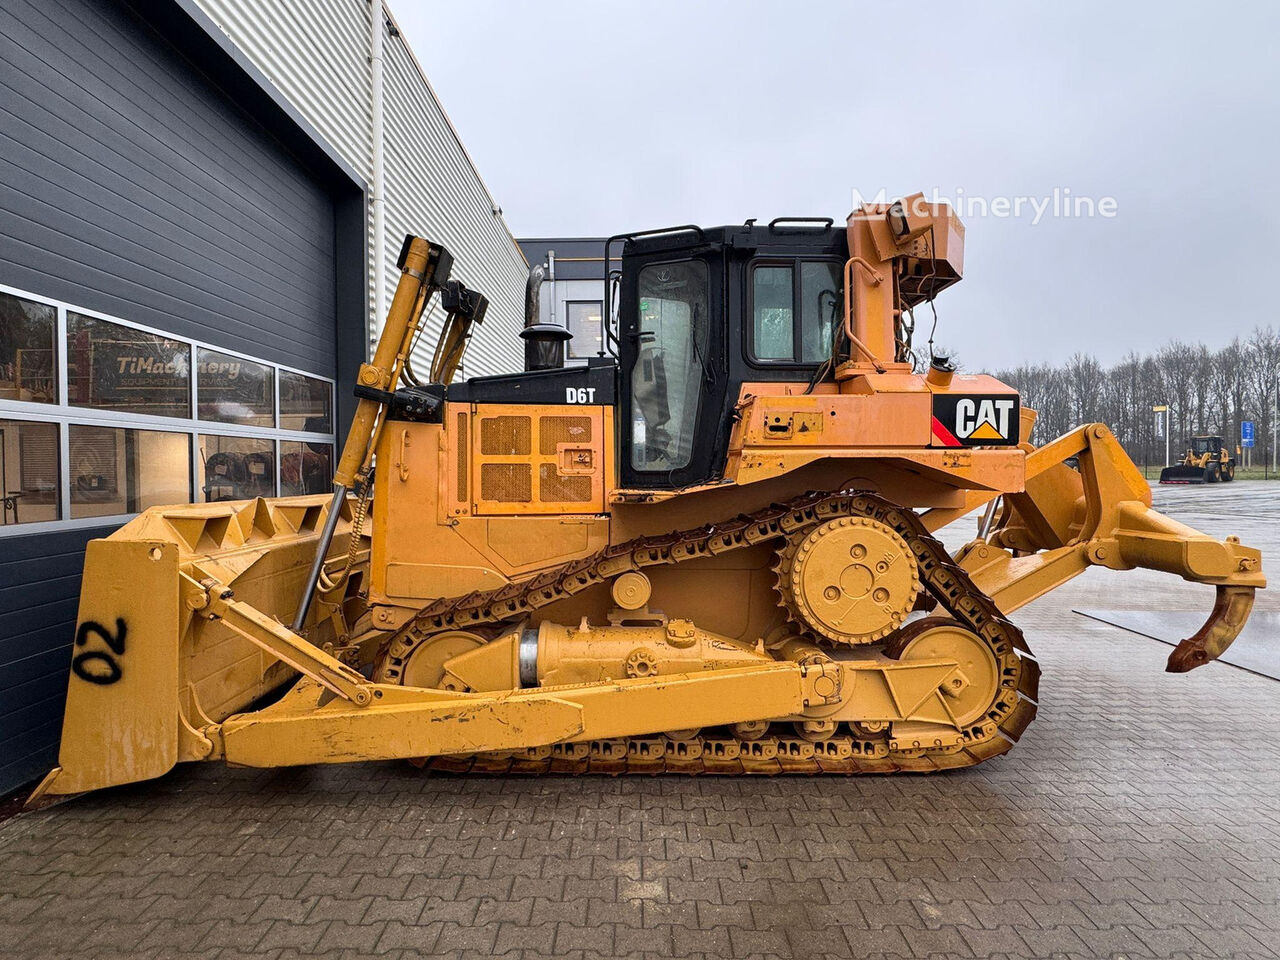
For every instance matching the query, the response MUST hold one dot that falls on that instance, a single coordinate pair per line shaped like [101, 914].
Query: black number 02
[108, 669]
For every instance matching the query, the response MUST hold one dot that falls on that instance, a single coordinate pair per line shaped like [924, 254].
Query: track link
[717, 752]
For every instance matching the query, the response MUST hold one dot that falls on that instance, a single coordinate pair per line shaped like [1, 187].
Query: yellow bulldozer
[1206, 460]
[711, 549]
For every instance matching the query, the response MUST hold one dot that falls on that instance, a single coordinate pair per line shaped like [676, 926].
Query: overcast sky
[587, 119]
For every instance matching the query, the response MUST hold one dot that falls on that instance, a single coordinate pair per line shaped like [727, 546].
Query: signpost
[1246, 433]
[1161, 411]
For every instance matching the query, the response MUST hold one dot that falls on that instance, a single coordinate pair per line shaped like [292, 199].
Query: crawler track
[715, 751]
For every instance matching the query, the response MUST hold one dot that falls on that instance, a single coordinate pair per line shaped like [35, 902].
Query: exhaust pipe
[533, 293]
[543, 342]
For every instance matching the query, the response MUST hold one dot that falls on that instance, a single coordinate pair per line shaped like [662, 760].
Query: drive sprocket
[851, 580]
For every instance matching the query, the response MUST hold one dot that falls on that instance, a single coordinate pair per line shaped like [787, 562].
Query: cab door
[673, 365]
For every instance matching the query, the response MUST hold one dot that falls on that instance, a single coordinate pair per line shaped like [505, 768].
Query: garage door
[131, 185]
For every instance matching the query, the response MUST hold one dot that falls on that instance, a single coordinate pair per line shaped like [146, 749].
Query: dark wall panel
[39, 593]
[132, 184]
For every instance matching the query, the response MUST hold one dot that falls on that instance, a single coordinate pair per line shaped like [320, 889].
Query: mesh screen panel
[506, 482]
[504, 436]
[554, 430]
[553, 488]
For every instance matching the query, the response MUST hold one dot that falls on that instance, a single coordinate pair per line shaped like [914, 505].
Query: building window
[131, 418]
[113, 367]
[306, 403]
[236, 468]
[115, 470]
[234, 390]
[305, 467]
[780, 294]
[28, 339]
[583, 318]
[29, 484]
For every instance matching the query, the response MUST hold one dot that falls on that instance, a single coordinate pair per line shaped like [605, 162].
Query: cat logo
[975, 420]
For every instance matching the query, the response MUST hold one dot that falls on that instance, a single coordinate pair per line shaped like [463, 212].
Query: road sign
[1246, 433]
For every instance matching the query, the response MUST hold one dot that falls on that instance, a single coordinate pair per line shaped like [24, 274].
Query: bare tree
[1084, 382]
[1177, 363]
[1206, 391]
[1230, 365]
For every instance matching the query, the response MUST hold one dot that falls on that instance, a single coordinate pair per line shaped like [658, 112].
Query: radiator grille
[554, 430]
[463, 443]
[553, 488]
[507, 482]
[504, 436]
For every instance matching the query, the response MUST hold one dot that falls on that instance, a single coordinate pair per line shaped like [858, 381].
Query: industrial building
[572, 292]
[201, 205]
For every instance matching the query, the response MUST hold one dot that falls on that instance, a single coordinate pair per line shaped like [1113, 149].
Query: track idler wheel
[750, 729]
[425, 665]
[970, 691]
[815, 731]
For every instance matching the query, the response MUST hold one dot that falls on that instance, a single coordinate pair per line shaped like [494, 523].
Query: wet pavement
[1138, 817]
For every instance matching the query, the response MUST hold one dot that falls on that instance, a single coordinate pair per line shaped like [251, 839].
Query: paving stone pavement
[1139, 817]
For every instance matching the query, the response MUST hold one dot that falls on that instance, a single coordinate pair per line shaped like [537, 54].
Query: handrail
[876, 280]
[826, 222]
[608, 244]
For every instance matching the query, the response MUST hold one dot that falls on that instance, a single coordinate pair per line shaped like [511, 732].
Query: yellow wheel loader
[711, 549]
[1205, 461]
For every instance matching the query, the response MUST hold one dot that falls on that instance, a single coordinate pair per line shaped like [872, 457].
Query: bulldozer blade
[1184, 474]
[1231, 609]
[150, 678]
[121, 720]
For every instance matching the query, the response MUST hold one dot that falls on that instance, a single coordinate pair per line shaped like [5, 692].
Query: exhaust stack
[543, 342]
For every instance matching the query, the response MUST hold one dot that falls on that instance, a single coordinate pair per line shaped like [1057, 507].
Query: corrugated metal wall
[316, 52]
[432, 189]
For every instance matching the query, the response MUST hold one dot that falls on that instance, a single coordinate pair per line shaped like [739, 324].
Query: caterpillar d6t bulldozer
[1205, 461]
[711, 549]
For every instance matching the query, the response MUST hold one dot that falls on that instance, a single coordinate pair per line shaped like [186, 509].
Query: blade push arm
[424, 267]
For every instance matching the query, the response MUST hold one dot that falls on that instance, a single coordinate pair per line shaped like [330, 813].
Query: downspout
[377, 27]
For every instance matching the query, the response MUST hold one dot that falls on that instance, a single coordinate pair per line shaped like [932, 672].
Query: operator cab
[700, 312]
[694, 313]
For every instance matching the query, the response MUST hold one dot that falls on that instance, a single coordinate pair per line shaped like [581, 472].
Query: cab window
[795, 308]
[669, 370]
